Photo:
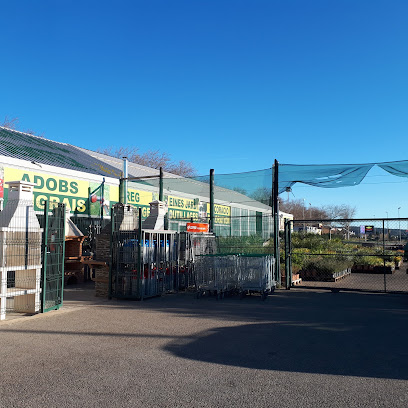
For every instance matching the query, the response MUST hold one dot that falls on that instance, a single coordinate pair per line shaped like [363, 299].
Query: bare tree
[301, 212]
[13, 124]
[240, 190]
[344, 212]
[152, 158]
[263, 195]
[10, 123]
[182, 168]
[340, 211]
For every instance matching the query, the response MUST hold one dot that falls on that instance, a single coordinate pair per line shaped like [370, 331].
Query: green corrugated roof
[43, 151]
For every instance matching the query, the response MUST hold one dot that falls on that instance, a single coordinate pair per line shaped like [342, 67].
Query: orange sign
[197, 227]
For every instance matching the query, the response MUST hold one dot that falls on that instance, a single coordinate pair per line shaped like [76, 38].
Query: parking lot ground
[298, 348]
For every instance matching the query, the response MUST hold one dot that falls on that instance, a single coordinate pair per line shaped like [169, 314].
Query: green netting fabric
[257, 185]
[326, 175]
[249, 183]
[318, 175]
[399, 168]
[334, 175]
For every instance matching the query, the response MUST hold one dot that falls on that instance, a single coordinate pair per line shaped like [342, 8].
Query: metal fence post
[125, 180]
[275, 208]
[63, 252]
[384, 270]
[288, 264]
[212, 200]
[140, 254]
[290, 226]
[111, 253]
[161, 196]
[44, 260]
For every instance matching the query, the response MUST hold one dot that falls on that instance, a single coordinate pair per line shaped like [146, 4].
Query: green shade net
[398, 168]
[317, 175]
[325, 175]
[256, 186]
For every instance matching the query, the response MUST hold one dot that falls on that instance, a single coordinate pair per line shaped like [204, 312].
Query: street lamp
[399, 225]
[388, 232]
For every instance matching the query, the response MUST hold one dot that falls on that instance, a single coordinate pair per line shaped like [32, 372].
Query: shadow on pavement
[350, 334]
[336, 350]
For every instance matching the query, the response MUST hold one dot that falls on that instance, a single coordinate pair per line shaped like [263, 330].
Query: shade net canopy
[334, 175]
[255, 187]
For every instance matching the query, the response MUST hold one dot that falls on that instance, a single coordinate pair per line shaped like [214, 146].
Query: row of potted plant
[316, 258]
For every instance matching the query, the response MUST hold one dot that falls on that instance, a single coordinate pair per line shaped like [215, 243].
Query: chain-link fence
[358, 254]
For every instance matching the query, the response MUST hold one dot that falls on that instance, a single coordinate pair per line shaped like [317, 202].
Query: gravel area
[299, 348]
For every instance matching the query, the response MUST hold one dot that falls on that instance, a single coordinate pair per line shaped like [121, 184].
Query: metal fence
[143, 262]
[146, 270]
[190, 246]
[228, 274]
[53, 251]
[31, 259]
[356, 254]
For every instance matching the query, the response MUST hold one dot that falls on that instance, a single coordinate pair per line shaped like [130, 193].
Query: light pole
[304, 225]
[388, 232]
[399, 225]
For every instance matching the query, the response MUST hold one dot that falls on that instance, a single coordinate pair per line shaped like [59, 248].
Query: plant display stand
[313, 275]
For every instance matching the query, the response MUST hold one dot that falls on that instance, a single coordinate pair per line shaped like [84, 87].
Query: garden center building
[90, 183]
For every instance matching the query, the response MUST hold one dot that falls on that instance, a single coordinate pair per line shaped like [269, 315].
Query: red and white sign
[94, 198]
[197, 227]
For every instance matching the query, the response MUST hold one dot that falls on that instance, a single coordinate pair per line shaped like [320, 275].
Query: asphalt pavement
[299, 348]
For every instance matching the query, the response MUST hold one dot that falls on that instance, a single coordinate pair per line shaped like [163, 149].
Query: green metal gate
[53, 251]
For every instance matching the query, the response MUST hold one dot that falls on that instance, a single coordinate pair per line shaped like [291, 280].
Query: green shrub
[253, 244]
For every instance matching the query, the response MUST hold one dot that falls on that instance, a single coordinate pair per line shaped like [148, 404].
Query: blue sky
[230, 85]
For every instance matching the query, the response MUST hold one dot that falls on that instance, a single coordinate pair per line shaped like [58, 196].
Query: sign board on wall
[182, 208]
[75, 194]
[222, 214]
[197, 227]
[141, 199]
[60, 189]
